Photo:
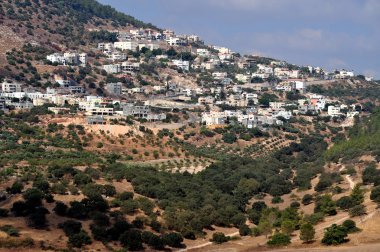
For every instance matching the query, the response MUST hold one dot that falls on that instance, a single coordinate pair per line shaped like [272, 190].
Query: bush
[10, 230]
[131, 240]
[350, 226]
[295, 204]
[334, 235]
[219, 238]
[173, 240]
[4, 212]
[278, 240]
[71, 227]
[80, 239]
[288, 227]
[375, 194]
[307, 232]
[154, 241]
[229, 138]
[314, 218]
[244, 230]
[125, 196]
[37, 219]
[60, 208]
[345, 203]
[358, 210]
[33, 197]
[16, 187]
[307, 199]
[325, 204]
[277, 200]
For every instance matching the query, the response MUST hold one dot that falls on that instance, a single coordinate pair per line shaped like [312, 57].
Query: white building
[10, 87]
[175, 41]
[182, 64]
[343, 74]
[214, 118]
[92, 111]
[112, 69]
[56, 58]
[126, 45]
[333, 111]
[150, 46]
[243, 78]
[219, 75]
[203, 52]
[106, 47]
[129, 67]
[114, 88]
[117, 56]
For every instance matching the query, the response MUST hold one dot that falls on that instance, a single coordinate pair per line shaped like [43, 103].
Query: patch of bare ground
[8, 40]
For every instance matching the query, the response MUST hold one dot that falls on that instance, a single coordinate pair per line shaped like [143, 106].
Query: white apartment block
[103, 111]
[10, 87]
[223, 50]
[175, 41]
[129, 67]
[106, 47]
[243, 78]
[214, 118]
[181, 64]
[343, 74]
[112, 69]
[150, 46]
[219, 75]
[333, 111]
[114, 88]
[203, 52]
[126, 45]
[117, 56]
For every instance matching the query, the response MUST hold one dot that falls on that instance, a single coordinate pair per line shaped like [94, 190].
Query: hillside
[58, 25]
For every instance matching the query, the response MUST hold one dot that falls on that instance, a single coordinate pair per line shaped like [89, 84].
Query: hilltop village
[149, 74]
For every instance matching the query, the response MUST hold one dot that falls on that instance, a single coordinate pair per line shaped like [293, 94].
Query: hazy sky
[327, 33]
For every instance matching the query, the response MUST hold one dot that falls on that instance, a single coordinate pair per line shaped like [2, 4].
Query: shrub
[131, 240]
[37, 219]
[334, 235]
[277, 200]
[60, 208]
[375, 194]
[125, 196]
[307, 232]
[219, 238]
[288, 226]
[33, 197]
[325, 204]
[152, 240]
[229, 138]
[80, 239]
[278, 240]
[70, 227]
[350, 226]
[10, 230]
[295, 204]
[345, 202]
[173, 240]
[358, 210]
[16, 187]
[307, 199]
[4, 212]
[244, 230]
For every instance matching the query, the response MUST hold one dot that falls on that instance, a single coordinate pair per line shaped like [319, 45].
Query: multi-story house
[114, 88]
[7, 87]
